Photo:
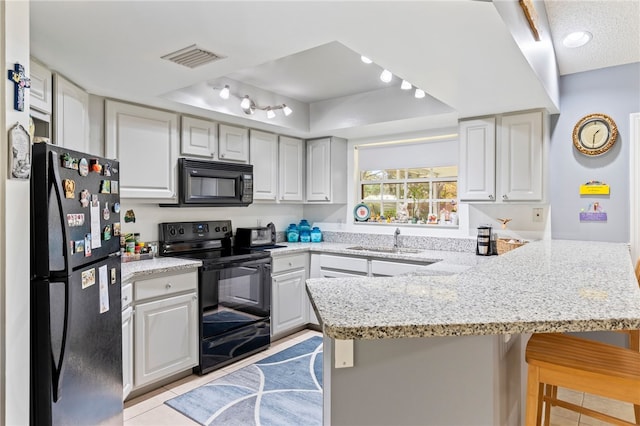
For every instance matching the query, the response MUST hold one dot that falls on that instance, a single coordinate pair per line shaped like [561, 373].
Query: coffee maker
[485, 245]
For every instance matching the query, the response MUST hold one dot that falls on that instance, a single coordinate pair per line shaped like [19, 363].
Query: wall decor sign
[19, 153]
[593, 213]
[21, 82]
[594, 187]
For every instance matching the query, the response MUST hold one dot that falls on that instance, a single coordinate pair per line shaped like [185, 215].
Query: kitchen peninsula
[448, 350]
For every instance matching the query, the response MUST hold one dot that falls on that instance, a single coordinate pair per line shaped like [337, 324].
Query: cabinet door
[291, 168]
[521, 157]
[477, 176]
[290, 303]
[234, 144]
[40, 91]
[145, 140]
[166, 337]
[263, 149]
[71, 115]
[319, 170]
[199, 138]
[127, 352]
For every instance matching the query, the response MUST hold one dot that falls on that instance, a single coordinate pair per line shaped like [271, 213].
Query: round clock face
[594, 134]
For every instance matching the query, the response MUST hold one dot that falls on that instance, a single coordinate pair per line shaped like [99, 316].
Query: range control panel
[194, 231]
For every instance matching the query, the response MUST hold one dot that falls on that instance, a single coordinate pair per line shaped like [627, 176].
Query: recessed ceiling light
[224, 93]
[577, 39]
[366, 60]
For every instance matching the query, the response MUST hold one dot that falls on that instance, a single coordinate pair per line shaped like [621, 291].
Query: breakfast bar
[448, 350]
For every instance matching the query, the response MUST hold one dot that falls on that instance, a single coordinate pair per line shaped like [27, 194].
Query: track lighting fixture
[386, 76]
[419, 94]
[366, 60]
[224, 93]
[405, 85]
[249, 106]
[270, 113]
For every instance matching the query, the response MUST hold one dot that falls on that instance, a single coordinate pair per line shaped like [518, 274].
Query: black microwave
[213, 183]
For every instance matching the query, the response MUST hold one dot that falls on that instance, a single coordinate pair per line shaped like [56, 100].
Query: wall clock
[595, 134]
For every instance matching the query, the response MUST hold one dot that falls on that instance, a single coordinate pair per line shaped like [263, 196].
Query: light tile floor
[149, 409]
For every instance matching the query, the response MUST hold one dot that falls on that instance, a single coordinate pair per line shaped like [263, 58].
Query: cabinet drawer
[354, 264]
[286, 263]
[126, 293]
[165, 285]
[389, 269]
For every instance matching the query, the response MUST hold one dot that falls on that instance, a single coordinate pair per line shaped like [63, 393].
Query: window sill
[408, 224]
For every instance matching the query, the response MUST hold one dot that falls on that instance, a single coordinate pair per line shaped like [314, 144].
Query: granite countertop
[140, 268]
[543, 286]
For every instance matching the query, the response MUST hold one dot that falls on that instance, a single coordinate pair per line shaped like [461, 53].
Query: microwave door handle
[241, 187]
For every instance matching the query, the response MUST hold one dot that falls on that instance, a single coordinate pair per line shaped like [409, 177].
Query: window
[410, 180]
[411, 195]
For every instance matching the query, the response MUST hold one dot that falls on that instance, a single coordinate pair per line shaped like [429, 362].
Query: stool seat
[582, 365]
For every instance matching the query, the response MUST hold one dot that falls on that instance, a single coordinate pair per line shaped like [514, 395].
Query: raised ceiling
[306, 52]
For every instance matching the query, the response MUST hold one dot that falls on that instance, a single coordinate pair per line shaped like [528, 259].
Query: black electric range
[234, 290]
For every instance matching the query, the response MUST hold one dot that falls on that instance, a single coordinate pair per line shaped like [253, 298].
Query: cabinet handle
[213, 154]
[222, 155]
[504, 197]
[168, 286]
[290, 264]
[195, 297]
[326, 198]
[126, 298]
[491, 197]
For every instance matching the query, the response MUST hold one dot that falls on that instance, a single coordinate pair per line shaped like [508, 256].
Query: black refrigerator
[76, 320]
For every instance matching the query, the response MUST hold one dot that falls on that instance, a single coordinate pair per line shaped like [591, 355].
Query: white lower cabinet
[333, 266]
[290, 303]
[165, 327]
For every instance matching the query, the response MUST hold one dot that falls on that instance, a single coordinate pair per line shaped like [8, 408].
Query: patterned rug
[282, 389]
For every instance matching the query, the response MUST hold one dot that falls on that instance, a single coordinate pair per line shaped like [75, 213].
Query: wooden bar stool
[582, 365]
[551, 392]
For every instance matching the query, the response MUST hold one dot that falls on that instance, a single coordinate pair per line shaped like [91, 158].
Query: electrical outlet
[537, 214]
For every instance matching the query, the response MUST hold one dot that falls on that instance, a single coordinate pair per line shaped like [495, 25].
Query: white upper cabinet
[40, 91]
[145, 141]
[327, 170]
[264, 157]
[199, 138]
[233, 143]
[476, 180]
[502, 163]
[520, 153]
[291, 169]
[71, 115]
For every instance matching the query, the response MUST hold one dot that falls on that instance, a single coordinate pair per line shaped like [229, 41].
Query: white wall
[14, 230]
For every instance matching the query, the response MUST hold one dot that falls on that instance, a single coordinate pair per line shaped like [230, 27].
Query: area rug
[282, 389]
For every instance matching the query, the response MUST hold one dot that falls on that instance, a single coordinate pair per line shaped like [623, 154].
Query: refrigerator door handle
[58, 370]
[57, 184]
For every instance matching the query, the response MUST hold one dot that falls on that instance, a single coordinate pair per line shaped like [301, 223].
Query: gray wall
[614, 91]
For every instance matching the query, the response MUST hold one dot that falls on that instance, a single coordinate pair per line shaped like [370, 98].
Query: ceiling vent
[192, 56]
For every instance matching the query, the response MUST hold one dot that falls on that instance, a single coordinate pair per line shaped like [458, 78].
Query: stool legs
[535, 391]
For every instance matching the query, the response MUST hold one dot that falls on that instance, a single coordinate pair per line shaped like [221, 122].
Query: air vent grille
[192, 56]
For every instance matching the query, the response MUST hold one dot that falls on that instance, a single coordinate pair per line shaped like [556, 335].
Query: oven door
[235, 305]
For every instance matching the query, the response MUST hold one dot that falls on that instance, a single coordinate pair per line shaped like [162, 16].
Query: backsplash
[410, 241]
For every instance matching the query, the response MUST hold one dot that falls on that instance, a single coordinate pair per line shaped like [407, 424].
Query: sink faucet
[395, 238]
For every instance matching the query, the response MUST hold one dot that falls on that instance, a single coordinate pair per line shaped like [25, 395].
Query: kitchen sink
[385, 249]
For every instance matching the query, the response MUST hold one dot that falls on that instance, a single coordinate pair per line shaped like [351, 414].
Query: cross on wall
[21, 82]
